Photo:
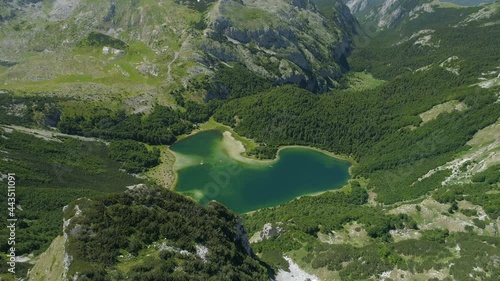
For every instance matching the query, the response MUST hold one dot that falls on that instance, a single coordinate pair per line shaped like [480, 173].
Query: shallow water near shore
[209, 167]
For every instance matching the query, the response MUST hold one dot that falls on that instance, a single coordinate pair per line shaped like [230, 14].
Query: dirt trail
[169, 66]
[47, 135]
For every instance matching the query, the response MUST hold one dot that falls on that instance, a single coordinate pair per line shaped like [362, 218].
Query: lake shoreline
[236, 150]
[250, 143]
[239, 154]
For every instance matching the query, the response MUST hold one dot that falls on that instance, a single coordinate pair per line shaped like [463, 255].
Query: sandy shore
[164, 174]
[235, 150]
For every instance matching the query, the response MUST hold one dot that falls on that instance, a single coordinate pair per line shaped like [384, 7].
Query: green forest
[159, 127]
[135, 156]
[49, 175]
[475, 45]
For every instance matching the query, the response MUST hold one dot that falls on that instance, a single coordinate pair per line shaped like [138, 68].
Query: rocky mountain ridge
[168, 43]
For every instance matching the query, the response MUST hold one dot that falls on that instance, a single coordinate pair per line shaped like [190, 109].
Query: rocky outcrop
[268, 231]
[345, 19]
[112, 51]
[390, 13]
[182, 230]
[70, 213]
[62, 9]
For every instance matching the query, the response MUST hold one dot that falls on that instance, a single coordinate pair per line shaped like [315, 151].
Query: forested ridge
[342, 122]
[163, 231]
[474, 43]
[159, 127]
[49, 175]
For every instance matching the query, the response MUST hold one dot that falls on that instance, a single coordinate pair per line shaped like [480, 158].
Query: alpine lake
[210, 166]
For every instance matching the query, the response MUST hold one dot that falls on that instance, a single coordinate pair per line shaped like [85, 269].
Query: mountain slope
[424, 201]
[290, 42]
[463, 39]
[73, 47]
[383, 14]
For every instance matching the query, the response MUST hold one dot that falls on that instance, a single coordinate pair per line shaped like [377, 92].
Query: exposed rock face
[62, 9]
[357, 6]
[388, 13]
[242, 238]
[75, 212]
[288, 41]
[201, 252]
[268, 231]
[109, 50]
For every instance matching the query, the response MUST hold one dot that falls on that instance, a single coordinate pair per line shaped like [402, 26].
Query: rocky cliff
[287, 41]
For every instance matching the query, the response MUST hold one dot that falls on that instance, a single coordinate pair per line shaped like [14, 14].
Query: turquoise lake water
[206, 172]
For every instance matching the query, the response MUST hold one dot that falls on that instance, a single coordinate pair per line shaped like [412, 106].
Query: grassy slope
[86, 73]
[359, 81]
[50, 265]
[448, 107]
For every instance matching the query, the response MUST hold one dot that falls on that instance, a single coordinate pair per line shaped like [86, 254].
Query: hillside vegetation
[430, 211]
[154, 234]
[424, 200]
